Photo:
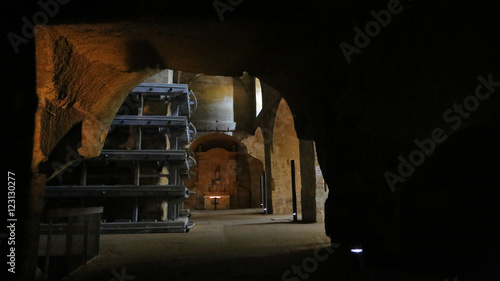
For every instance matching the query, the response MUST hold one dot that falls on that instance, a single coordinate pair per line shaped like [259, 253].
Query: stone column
[269, 178]
[308, 180]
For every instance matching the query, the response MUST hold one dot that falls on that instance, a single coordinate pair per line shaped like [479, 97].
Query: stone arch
[217, 140]
[80, 80]
[239, 171]
[439, 77]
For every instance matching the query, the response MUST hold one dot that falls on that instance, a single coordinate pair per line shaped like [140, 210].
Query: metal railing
[69, 240]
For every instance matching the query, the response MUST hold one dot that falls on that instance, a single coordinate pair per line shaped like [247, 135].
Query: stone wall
[285, 147]
[223, 103]
[254, 145]
[321, 190]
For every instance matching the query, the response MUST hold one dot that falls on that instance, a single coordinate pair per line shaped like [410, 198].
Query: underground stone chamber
[361, 115]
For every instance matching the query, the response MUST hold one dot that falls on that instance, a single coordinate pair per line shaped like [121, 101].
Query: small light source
[356, 250]
[294, 214]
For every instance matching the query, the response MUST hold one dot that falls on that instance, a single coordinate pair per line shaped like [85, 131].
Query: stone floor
[224, 245]
[227, 245]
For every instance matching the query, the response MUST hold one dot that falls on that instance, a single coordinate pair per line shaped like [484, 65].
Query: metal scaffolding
[179, 132]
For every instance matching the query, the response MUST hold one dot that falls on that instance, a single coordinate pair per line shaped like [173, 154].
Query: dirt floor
[228, 245]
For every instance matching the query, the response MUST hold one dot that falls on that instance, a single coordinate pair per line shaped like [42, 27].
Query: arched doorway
[226, 176]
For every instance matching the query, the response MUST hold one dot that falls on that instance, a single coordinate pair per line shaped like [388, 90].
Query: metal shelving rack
[176, 158]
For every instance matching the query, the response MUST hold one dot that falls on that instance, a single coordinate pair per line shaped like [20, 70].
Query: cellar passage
[364, 119]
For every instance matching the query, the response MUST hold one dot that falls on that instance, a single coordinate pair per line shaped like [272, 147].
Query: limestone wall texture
[321, 190]
[285, 147]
